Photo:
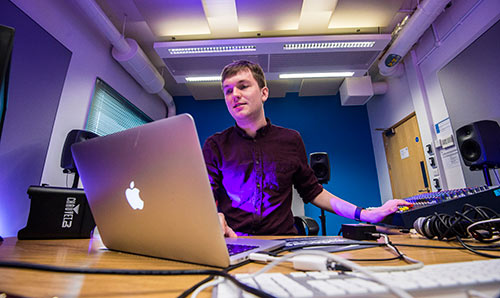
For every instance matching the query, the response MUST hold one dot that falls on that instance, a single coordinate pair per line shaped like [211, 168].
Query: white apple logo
[133, 198]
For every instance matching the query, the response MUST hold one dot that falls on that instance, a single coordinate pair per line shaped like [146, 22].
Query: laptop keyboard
[238, 248]
[451, 278]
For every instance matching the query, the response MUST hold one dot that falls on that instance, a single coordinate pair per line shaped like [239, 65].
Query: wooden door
[406, 159]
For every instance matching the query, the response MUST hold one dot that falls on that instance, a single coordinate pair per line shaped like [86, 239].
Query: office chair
[306, 226]
[67, 163]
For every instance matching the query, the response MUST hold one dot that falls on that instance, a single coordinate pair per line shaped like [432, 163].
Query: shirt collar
[260, 132]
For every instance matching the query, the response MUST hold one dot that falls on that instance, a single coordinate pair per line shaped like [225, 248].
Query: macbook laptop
[149, 193]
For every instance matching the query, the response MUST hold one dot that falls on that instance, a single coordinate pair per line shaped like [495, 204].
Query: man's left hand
[378, 214]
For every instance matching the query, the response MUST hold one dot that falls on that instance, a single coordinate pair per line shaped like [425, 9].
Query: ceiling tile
[208, 66]
[364, 13]
[265, 15]
[205, 90]
[221, 16]
[320, 87]
[278, 88]
[316, 14]
[318, 62]
[173, 17]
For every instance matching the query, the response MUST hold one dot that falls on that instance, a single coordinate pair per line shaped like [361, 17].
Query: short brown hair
[235, 67]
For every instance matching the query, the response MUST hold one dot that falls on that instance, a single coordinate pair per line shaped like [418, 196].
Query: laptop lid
[149, 193]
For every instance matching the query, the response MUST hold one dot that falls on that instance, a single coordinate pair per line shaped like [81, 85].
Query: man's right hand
[228, 232]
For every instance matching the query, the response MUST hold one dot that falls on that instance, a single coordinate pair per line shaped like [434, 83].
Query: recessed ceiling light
[316, 75]
[203, 79]
[214, 49]
[328, 45]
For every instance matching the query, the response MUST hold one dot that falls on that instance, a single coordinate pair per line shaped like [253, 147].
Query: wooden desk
[91, 253]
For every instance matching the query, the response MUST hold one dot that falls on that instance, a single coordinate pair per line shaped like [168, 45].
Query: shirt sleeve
[304, 179]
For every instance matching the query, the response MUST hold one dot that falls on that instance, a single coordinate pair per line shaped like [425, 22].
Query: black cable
[428, 246]
[197, 285]
[445, 226]
[20, 265]
[395, 248]
[472, 221]
[400, 255]
[285, 249]
[490, 248]
[375, 260]
[473, 250]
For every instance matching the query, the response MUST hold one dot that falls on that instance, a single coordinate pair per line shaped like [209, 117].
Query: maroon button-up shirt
[252, 178]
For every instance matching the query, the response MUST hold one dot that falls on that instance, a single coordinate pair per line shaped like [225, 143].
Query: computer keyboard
[328, 243]
[441, 278]
[312, 241]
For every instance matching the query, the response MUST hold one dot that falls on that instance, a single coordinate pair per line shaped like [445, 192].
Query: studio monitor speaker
[479, 144]
[321, 166]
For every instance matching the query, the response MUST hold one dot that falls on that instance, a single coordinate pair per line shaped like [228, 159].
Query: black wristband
[357, 213]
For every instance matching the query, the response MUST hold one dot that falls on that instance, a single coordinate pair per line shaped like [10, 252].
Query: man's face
[244, 98]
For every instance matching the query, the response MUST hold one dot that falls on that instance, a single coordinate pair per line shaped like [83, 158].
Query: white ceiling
[159, 24]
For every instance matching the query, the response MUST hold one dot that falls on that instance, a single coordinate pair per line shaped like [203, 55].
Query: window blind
[110, 112]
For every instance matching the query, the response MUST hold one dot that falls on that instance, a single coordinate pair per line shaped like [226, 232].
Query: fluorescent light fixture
[328, 45]
[316, 75]
[203, 79]
[214, 49]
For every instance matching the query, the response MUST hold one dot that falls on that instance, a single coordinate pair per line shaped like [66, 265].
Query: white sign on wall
[405, 153]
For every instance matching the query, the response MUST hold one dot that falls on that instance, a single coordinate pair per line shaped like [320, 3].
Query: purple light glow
[250, 192]
[37, 76]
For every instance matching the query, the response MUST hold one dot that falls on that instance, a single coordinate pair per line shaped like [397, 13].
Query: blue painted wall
[326, 126]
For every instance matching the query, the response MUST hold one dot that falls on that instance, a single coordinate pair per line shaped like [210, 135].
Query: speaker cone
[470, 150]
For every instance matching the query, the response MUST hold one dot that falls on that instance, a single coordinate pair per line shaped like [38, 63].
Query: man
[253, 165]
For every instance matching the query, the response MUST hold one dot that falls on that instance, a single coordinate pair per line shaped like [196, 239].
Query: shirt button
[257, 162]
[258, 185]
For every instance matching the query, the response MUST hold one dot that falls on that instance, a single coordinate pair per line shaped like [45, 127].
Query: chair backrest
[74, 136]
[306, 226]
[67, 162]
